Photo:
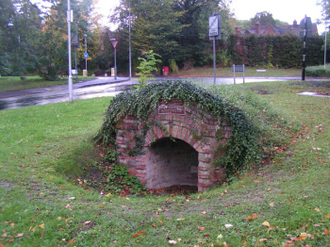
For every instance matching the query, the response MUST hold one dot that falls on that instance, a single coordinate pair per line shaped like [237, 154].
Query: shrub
[318, 71]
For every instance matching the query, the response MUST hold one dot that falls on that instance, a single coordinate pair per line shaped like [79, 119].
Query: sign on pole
[86, 55]
[114, 43]
[214, 27]
[214, 34]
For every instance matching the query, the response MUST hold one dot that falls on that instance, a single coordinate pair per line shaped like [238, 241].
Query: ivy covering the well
[241, 149]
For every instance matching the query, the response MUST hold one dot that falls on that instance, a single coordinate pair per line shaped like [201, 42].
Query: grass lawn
[43, 150]
[227, 72]
[10, 83]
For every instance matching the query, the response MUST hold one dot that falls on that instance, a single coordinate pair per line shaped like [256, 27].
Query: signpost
[306, 25]
[214, 34]
[114, 43]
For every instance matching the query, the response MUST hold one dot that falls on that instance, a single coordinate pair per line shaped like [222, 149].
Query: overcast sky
[284, 10]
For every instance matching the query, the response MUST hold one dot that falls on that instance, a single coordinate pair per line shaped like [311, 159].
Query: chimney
[295, 23]
[257, 27]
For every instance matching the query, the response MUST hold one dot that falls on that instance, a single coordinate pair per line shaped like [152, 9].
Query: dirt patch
[6, 185]
[174, 190]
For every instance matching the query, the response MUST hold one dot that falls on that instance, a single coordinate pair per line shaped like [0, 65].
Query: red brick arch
[196, 128]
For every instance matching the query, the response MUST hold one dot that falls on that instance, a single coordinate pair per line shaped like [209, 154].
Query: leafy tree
[20, 24]
[54, 34]
[264, 18]
[148, 64]
[325, 10]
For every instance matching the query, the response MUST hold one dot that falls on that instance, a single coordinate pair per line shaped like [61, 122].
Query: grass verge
[43, 148]
[227, 72]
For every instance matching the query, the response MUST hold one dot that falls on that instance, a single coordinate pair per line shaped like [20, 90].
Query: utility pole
[69, 20]
[304, 50]
[129, 43]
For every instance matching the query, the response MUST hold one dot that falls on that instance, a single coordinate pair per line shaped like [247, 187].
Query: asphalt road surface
[100, 87]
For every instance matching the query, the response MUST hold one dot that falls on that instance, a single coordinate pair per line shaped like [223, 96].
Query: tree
[20, 24]
[53, 50]
[264, 18]
[325, 10]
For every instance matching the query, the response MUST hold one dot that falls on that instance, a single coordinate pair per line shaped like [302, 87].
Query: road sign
[214, 27]
[86, 55]
[306, 23]
[114, 43]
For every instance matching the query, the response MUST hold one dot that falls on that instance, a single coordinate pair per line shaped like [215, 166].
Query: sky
[284, 10]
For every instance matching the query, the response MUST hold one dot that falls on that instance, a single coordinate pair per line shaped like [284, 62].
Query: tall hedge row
[274, 51]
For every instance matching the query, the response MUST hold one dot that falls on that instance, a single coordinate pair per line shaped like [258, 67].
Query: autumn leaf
[250, 218]
[42, 226]
[266, 224]
[20, 235]
[327, 216]
[271, 204]
[172, 242]
[201, 228]
[255, 216]
[302, 236]
[228, 226]
[326, 232]
[180, 219]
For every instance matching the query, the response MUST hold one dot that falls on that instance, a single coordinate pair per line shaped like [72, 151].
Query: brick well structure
[178, 148]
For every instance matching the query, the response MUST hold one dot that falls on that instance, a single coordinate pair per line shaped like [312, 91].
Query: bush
[318, 71]
[173, 66]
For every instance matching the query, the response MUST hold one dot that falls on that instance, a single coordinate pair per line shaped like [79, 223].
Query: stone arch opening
[171, 162]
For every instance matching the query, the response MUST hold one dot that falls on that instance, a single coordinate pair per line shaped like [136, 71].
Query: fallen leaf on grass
[326, 232]
[20, 235]
[220, 236]
[303, 236]
[87, 222]
[317, 210]
[201, 228]
[255, 216]
[42, 226]
[228, 226]
[327, 216]
[172, 242]
[180, 219]
[271, 204]
[250, 218]
[266, 224]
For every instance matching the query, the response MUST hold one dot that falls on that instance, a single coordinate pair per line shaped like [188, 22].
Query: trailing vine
[243, 146]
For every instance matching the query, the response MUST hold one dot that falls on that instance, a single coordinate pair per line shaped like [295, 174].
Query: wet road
[100, 87]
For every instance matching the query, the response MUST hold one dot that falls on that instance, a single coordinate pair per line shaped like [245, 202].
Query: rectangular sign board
[214, 27]
[174, 106]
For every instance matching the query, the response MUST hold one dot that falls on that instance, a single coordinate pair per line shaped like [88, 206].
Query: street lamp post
[85, 35]
[69, 20]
